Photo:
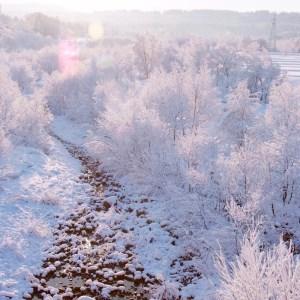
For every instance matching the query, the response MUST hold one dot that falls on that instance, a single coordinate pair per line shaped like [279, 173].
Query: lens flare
[96, 31]
[68, 56]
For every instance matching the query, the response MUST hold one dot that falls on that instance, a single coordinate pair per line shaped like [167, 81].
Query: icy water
[80, 261]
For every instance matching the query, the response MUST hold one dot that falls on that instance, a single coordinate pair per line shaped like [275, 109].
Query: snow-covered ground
[289, 64]
[34, 188]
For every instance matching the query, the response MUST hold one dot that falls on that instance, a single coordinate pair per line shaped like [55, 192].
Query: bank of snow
[34, 188]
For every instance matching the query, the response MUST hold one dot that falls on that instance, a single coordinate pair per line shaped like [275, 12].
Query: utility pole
[273, 34]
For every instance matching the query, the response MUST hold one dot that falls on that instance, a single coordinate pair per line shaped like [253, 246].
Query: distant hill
[15, 34]
[206, 23]
[19, 10]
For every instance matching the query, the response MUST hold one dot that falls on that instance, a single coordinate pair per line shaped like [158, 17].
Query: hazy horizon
[155, 5]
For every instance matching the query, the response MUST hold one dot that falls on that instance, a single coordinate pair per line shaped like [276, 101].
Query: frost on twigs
[259, 273]
[166, 291]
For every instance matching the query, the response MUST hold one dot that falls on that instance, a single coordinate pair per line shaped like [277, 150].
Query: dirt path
[92, 254]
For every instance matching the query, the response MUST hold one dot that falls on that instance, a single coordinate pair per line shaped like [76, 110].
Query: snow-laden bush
[23, 120]
[32, 124]
[240, 116]
[147, 54]
[135, 142]
[166, 291]
[4, 142]
[158, 131]
[22, 73]
[47, 60]
[261, 73]
[258, 273]
[283, 121]
[72, 94]
[227, 64]
[242, 174]
[164, 93]
[9, 100]
[184, 100]
[197, 153]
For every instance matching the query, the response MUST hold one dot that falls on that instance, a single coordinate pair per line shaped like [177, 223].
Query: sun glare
[96, 31]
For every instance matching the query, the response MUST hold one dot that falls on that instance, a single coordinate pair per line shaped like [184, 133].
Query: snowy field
[289, 64]
[35, 188]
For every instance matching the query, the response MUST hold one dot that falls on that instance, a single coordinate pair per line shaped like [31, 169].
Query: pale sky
[239, 5]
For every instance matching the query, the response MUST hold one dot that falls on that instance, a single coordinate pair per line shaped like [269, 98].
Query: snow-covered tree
[22, 73]
[242, 174]
[72, 94]
[22, 119]
[240, 114]
[228, 64]
[146, 49]
[261, 74]
[47, 60]
[136, 143]
[282, 147]
[164, 92]
[202, 97]
[258, 273]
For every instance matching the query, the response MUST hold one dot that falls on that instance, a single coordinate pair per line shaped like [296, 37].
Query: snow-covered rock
[86, 298]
